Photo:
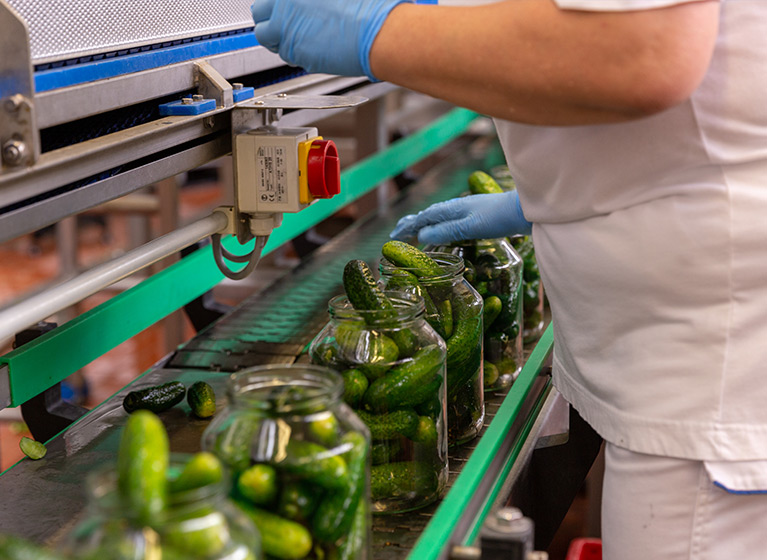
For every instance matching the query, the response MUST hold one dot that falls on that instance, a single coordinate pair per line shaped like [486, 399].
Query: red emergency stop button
[323, 169]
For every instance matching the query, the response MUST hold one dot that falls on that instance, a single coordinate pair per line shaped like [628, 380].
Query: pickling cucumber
[314, 463]
[391, 425]
[362, 289]
[385, 451]
[155, 399]
[405, 281]
[201, 399]
[404, 255]
[462, 358]
[258, 484]
[355, 385]
[202, 469]
[482, 183]
[280, 537]
[335, 514]
[407, 384]
[394, 480]
[369, 351]
[492, 309]
[298, 500]
[142, 463]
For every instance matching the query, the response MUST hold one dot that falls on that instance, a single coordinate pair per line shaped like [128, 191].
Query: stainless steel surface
[212, 85]
[556, 427]
[61, 30]
[19, 141]
[45, 212]
[286, 100]
[65, 105]
[39, 307]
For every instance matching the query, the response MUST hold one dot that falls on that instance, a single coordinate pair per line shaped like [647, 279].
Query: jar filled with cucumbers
[494, 269]
[454, 309]
[300, 461]
[393, 365]
[532, 288]
[156, 505]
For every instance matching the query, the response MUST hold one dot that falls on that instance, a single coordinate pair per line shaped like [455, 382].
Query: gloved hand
[331, 36]
[479, 216]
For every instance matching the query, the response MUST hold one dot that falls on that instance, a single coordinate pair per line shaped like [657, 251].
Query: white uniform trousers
[660, 508]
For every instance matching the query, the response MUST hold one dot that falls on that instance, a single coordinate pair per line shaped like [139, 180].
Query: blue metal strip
[118, 65]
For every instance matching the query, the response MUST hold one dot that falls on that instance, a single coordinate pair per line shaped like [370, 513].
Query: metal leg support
[47, 413]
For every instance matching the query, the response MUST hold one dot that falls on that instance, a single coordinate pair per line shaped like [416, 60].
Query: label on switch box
[272, 174]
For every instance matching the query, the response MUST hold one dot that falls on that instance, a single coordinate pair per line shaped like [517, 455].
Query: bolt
[282, 95]
[209, 122]
[187, 101]
[237, 85]
[13, 103]
[197, 97]
[506, 516]
[14, 151]
[259, 102]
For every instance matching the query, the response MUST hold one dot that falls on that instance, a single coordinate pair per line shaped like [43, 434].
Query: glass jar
[494, 269]
[201, 523]
[393, 366]
[300, 459]
[454, 310]
[532, 289]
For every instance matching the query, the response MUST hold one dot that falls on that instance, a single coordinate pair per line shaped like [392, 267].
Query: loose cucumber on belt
[335, 514]
[155, 399]
[407, 384]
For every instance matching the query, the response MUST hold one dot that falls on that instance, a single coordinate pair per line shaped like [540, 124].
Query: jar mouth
[407, 307]
[452, 265]
[101, 486]
[285, 388]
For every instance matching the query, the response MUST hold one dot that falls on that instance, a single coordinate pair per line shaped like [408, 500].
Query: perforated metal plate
[64, 29]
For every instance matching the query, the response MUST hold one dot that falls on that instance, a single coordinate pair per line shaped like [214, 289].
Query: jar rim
[453, 266]
[407, 308]
[254, 387]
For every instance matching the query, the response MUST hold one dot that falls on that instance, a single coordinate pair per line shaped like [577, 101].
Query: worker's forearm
[529, 61]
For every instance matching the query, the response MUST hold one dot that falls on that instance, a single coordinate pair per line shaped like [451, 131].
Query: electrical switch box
[284, 169]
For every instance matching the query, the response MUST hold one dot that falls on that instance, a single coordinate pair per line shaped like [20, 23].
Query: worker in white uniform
[636, 131]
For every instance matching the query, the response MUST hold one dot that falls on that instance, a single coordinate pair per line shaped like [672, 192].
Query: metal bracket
[272, 105]
[19, 139]
[212, 85]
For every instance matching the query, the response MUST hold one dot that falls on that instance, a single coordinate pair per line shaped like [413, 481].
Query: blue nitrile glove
[331, 36]
[479, 216]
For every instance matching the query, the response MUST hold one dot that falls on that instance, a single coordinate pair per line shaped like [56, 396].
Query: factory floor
[31, 262]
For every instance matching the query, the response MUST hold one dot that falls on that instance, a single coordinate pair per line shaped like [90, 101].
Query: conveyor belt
[273, 326]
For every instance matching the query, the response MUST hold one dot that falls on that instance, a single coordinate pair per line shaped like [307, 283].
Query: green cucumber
[492, 309]
[201, 399]
[202, 532]
[323, 428]
[462, 357]
[431, 407]
[355, 385]
[335, 514]
[426, 432]
[33, 449]
[404, 255]
[298, 501]
[446, 312]
[201, 470]
[362, 289]
[258, 484]
[385, 451]
[391, 425]
[280, 537]
[142, 464]
[405, 281]
[352, 547]
[394, 480]
[233, 444]
[155, 399]
[491, 373]
[314, 463]
[482, 183]
[369, 351]
[407, 384]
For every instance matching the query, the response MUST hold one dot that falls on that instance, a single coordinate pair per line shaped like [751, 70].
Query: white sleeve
[616, 5]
